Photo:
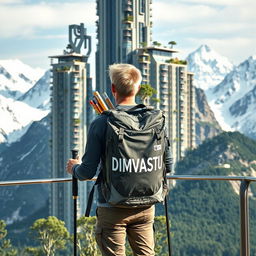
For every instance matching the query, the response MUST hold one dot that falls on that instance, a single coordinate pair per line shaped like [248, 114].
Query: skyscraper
[124, 36]
[175, 94]
[70, 114]
[173, 83]
[122, 27]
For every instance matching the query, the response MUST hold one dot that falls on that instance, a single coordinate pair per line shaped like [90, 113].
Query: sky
[32, 30]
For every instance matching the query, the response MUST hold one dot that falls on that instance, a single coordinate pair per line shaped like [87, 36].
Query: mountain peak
[209, 67]
[234, 99]
[204, 47]
[16, 77]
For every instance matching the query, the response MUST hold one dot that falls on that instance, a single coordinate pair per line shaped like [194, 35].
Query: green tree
[6, 248]
[143, 44]
[172, 43]
[52, 235]
[33, 251]
[156, 43]
[146, 92]
[86, 243]
[161, 236]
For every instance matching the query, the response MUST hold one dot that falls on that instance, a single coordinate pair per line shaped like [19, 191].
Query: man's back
[114, 223]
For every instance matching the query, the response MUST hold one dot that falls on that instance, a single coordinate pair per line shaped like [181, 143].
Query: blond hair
[126, 78]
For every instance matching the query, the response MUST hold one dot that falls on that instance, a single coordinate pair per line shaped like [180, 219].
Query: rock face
[206, 124]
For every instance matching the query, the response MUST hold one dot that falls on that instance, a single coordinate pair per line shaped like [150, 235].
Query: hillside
[23, 160]
[205, 214]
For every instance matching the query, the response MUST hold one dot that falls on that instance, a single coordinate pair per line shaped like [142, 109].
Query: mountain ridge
[205, 214]
[230, 93]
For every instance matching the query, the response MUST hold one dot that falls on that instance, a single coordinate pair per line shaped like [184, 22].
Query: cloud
[214, 2]
[227, 26]
[26, 20]
[178, 13]
[181, 13]
[11, 2]
[235, 48]
[225, 3]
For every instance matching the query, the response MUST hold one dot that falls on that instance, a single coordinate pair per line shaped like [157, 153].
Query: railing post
[244, 219]
[75, 196]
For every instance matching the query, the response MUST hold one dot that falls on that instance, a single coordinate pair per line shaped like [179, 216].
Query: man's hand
[70, 164]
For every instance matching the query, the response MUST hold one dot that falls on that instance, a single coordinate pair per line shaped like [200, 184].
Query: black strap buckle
[121, 134]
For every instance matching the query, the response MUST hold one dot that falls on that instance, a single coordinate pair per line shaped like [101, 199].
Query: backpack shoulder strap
[134, 108]
[90, 198]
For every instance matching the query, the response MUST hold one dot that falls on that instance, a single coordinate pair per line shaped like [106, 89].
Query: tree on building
[146, 92]
[52, 235]
[143, 44]
[6, 248]
[172, 43]
[156, 43]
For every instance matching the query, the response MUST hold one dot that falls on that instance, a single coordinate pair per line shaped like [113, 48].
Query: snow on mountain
[234, 99]
[39, 95]
[208, 66]
[16, 78]
[16, 117]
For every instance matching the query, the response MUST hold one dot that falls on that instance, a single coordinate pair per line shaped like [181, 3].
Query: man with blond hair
[114, 222]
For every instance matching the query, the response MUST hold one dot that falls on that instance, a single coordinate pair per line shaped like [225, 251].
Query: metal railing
[244, 199]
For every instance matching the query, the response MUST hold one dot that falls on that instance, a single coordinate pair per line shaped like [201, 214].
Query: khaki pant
[114, 223]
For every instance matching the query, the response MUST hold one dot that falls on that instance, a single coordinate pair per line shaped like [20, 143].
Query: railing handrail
[244, 202]
[171, 177]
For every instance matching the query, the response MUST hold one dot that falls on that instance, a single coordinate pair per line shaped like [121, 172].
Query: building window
[142, 6]
[141, 32]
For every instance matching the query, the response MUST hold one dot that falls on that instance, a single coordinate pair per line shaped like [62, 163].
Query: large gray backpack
[133, 170]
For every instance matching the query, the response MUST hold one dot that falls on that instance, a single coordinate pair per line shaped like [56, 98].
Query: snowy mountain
[39, 95]
[24, 98]
[230, 90]
[234, 99]
[16, 117]
[16, 78]
[208, 66]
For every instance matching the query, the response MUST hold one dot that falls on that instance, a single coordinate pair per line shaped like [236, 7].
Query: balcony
[143, 54]
[128, 19]
[144, 59]
[127, 33]
[164, 91]
[127, 38]
[164, 85]
[126, 26]
[75, 98]
[164, 79]
[128, 8]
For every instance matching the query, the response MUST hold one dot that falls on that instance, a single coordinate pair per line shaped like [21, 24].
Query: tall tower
[175, 92]
[122, 27]
[124, 31]
[70, 113]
